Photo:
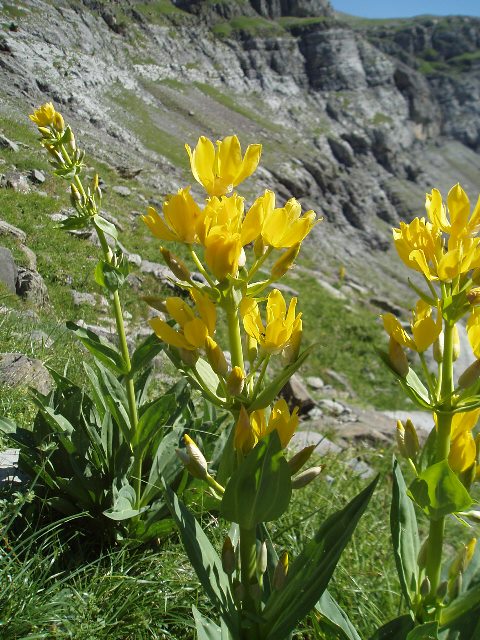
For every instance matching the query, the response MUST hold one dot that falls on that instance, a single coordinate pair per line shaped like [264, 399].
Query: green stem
[261, 375]
[202, 270]
[234, 335]
[129, 385]
[428, 377]
[444, 425]
[256, 266]
[248, 555]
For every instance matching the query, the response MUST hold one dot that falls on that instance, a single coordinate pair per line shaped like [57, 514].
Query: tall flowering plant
[242, 251]
[444, 248]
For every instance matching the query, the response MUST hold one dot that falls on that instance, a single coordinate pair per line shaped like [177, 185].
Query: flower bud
[176, 266]
[471, 515]
[189, 356]
[422, 555]
[259, 247]
[285, 262]
[425, 587]
[442, 591]
[438, 348]
[252, 349]
[216, 357]
[306, 477]
[156, 303]
[400, 437]
[300, 458]
[473, 296]
[235, 381]
[242, 258]
[228, 556]
[412, 446]
[455, 586]
[193, 459]
[291, 351]
[75, 196]
[470, 375]
[262, 558]
[244, 439]
[46, 133]
[462, 559]
[398, 359]
[456, 343]
[58, 122]
[281, 571]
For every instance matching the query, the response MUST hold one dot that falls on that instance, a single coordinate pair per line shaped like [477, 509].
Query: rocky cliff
[358, 118]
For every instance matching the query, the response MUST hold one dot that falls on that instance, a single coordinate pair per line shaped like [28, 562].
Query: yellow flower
[277, 333]
[425, 329]
[419, 245]
[194, 327]
[246, 433]
[284, 227]
[221, 169]
[473, 331]
[181, 214]
[462, 255]
[280, 420]
[44, 115]
[224, 231]
[462, 452]
[463, 422]
[457, 222]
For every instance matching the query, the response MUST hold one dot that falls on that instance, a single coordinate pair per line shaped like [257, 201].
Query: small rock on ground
[17, 370]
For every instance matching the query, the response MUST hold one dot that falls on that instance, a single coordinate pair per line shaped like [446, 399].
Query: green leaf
[124, 505]
[427, 631]
[260, 488]
[108, 276]
[153, 418]
[102, 350]
[145, 353]
[106, 226]
[411, 384]
[165, 464]
[204, 559]
[310, 572]
[116, 399]
[464, 605]
[336, 618]
[397, 629]
[438, 491]
[266, 397]
[7, 425]
[406, 544]
[206, 629]
[428, 453]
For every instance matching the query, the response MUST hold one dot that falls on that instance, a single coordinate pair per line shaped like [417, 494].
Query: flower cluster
[219, 234]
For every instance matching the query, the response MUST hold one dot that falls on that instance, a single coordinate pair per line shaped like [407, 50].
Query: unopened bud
[456, 343]
[470, 375]
[238, 591]
[400, 437]
[473, 296]
[189, 356]
[422, 555]
[193, 459]
[58, 122]
[242, 258]
[259, 247]
[285, 262]
[471, 515]
[300, 458]
[156, 303]
[262, 558]
[442, 591]
[462, 559]
[412, 445]
[425, 587]
[176, 266]
[75, 196]
[216, 357]
[244, 439]
[398, 359]
[228, 556]
[252, 349]
[45, 131]
[291, 351]
[306, 477]
[438, 349]
[281, 571]
[455, 586]
[235, 381]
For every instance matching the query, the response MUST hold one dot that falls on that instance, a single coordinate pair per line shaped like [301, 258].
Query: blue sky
[407, 8]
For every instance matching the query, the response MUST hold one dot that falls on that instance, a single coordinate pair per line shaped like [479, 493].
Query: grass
[248, 25]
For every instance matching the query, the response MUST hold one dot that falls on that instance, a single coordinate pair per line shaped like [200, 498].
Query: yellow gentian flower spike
[44, 115]
[221, 169]
[180, 212]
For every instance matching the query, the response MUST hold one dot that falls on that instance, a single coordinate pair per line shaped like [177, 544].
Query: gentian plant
[241, 252]
[443, 595]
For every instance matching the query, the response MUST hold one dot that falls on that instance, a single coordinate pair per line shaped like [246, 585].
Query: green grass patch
[157, 11]
[381, 118]
[249, 25]
[291, 22]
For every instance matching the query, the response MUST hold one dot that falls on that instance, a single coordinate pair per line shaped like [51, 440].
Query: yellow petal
[195, 332]
[206, 309]
[202, 161]
[462, 452]
[168, 335]
[179, 310]
[395, 330]
[249, 163]
[157, 226]
[459, 209]
[229, 159]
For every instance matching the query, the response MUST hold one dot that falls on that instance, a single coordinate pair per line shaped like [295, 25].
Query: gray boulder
[8, 269]
[31, 286]
[17, 370]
